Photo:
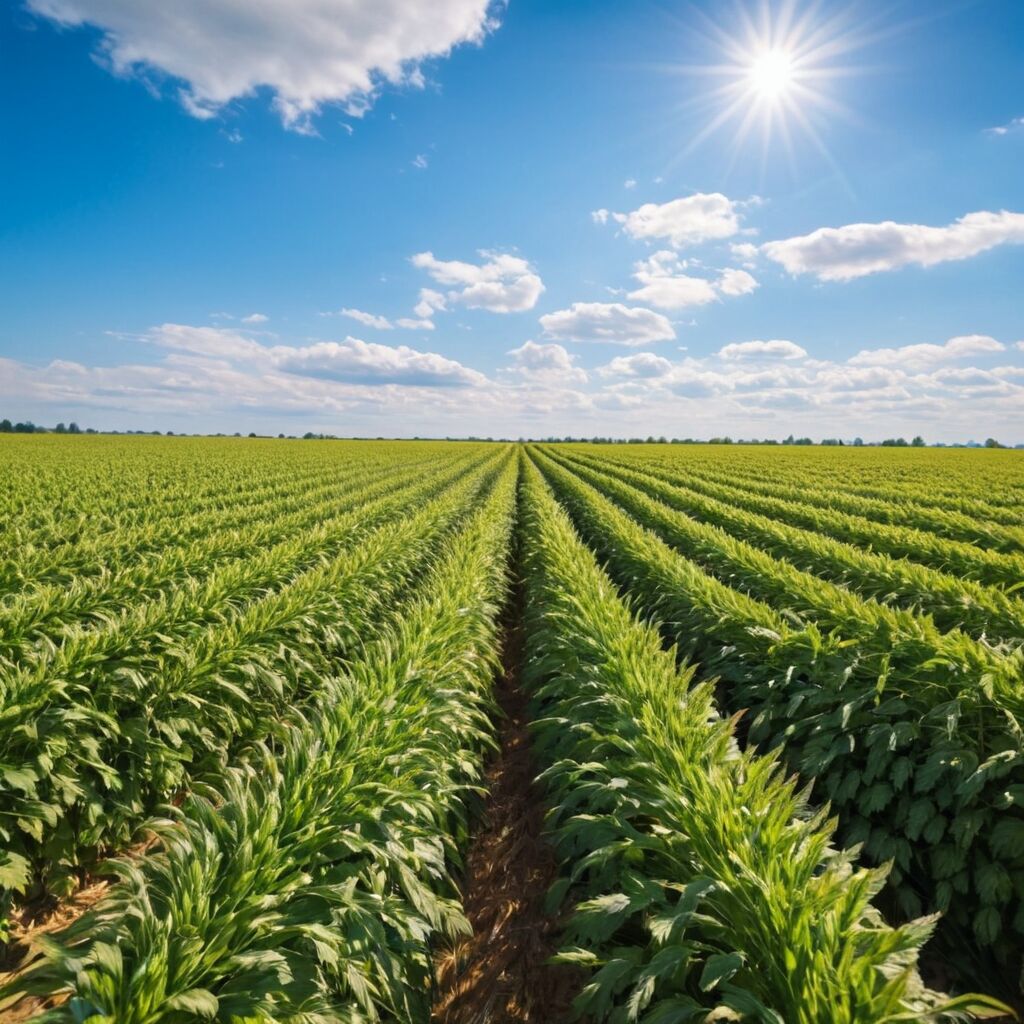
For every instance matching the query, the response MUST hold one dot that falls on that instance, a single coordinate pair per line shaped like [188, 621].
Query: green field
[247, 705]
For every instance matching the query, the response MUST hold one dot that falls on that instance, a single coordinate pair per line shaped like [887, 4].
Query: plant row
[953, 603]
[705, 886]
[309, 883]
[914, 736]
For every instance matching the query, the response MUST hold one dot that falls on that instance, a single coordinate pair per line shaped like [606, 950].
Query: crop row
[310, 882]
[895, 511]
[317, 527]
[958, 558]
[120, 719]
[914, 736]
[705, 886]
[952, 602]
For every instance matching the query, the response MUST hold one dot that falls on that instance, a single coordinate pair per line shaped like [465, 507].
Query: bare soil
[501, 973]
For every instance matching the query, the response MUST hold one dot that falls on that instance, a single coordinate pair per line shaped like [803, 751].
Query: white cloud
[549, 363]
[420, 162]
[643, 364]
[356, 361]
[841, 254]
[430, 302]
[414, 325]
[777, 348]
[609, 322]
[599, 216]
[1013, 125]
[629, 183]
[745, 253]
[308, 52]
[911, 356]
[378, 323]
[502, 283]
[736, 282]
[690, 220]
[662, 284]
[255, 318]
[215, 342]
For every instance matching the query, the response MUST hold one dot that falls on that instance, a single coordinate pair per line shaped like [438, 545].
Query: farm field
[256, 698]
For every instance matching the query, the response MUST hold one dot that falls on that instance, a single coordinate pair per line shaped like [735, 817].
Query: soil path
[500, 974]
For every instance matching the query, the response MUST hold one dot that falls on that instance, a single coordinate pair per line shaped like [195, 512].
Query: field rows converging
[286, 727]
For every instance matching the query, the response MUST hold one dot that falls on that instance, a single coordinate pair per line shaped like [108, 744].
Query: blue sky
[524, 213]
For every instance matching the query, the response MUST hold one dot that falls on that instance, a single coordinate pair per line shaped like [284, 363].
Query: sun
[771, 74]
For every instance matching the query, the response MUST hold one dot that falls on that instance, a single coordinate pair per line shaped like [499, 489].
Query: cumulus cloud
[215, 342]
[548, 363]
[599, 216]
[777, 348]
[629, 183]
[502, 283]
[610, 322]
[736, 282]
[842, 254]
[430, 302]
[357, 361]
[924, 355]
[411, 324]
[378, 323]
[307, 52]
[690, 220]
[255, 318]
[664, 284]
[643, 364]
[745, 253]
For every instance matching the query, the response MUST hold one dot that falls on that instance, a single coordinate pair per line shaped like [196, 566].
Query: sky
[545, 217]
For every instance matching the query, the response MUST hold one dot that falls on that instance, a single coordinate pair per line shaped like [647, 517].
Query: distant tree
[831, 441]
[60, 429]
[28, 427]
[895, 442]
[803, 440]
[991, 442]
[790, 440]
[918, 442]
[252, 433]
[74, 428]
[6, 426]
[858, 442]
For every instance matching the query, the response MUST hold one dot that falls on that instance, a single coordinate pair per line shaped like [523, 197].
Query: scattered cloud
[356, 361]
[378, 323]
[778, 348]
[599, 216]
[924, 355]
[549, 363]
[610, 322]
[255, 318]
[691, 220]
[748, 388]
[1016, 124]
[664, 284]
[629, 183]
[414, 325]
[842, 254]
[420, 162]
[307, 52]
[745, 253]
[643, 364]
[502, 283]
[736, 282]
[430, 302]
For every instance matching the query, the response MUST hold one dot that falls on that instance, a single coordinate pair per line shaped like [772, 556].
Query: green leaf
[719, 967]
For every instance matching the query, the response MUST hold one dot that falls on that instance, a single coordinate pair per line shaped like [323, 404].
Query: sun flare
[771, 73]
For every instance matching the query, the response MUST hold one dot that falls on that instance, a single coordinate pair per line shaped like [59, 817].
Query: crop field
[351, 731]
